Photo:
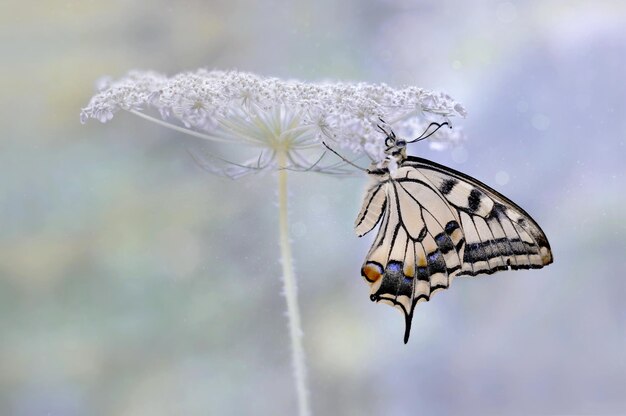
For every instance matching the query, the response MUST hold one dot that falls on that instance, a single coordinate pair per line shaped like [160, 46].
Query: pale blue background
[134, 283]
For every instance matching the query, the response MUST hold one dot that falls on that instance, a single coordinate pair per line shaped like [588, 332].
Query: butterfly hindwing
[418, 247]
[372, 210]
[437, 223]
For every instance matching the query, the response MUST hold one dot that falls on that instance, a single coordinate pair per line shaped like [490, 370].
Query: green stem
[291, 291]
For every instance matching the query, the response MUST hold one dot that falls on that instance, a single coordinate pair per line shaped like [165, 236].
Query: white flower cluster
[232, 105]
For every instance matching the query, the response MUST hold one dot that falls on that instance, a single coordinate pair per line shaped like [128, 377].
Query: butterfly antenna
[390, 135]
[343, 158]
[382, 129]
[426, 136]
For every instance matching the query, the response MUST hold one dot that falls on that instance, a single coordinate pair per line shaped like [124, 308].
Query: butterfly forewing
[437, 223]
[497, 231]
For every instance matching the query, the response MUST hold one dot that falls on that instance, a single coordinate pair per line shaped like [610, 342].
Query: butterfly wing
[435, 224]
[499, 234]
[374, 205]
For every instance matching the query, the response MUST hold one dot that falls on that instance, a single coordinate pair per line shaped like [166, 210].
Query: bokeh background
[132, 282]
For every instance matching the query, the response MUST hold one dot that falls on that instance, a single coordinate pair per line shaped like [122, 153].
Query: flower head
[277, 115]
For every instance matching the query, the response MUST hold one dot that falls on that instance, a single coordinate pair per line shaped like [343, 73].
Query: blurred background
[132, 282]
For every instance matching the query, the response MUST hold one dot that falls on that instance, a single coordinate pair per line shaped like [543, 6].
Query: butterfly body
[435, 224]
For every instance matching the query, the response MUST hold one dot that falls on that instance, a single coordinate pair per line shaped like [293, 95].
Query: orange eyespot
[421, 260]
[372, 271]
[409, 270]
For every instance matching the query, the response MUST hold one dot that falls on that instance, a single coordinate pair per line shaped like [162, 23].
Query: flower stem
[291, 291]
[177, 128]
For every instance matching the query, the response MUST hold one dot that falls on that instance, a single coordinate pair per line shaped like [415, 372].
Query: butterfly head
[395, 147]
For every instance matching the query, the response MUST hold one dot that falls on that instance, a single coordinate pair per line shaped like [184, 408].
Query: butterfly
[436, 223]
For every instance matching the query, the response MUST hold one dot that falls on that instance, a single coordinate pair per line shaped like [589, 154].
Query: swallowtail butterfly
[435, 224]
